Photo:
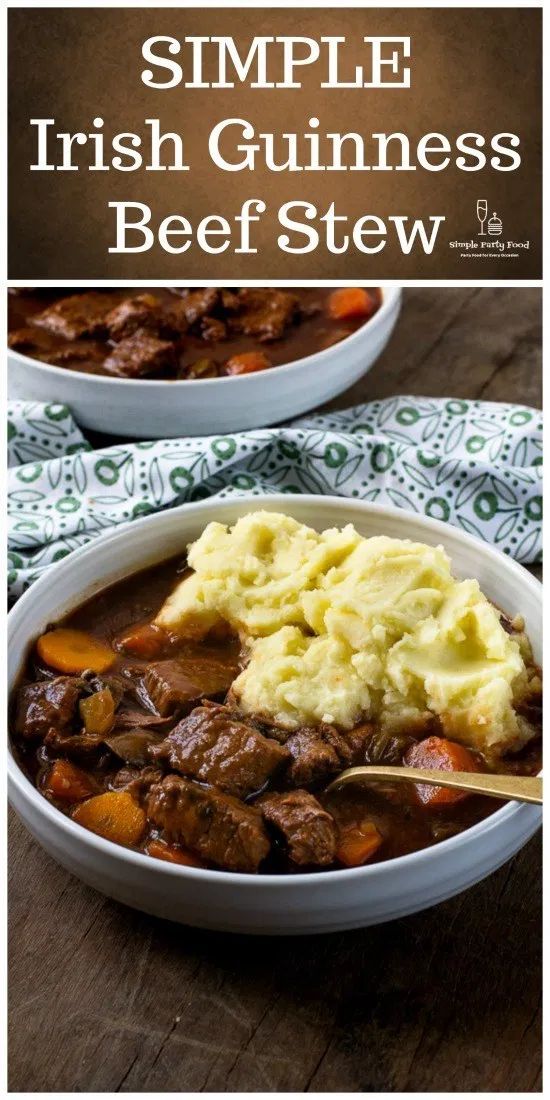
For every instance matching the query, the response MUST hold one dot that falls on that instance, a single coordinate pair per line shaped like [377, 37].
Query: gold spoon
[517, 788]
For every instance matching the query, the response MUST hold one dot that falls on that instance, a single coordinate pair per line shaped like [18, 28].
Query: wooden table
[103, 998]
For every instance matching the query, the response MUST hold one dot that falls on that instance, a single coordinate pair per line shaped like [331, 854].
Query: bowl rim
[391, 298]
[300, 879]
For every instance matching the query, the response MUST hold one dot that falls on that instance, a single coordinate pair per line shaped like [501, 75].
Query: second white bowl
[149, 409]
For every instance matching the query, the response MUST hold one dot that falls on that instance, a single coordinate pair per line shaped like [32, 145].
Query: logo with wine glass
[493, 224]
[490, 243]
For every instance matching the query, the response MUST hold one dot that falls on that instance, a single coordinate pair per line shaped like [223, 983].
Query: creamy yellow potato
[379, 591]
[254, 574]
[341, 628]
[299, 680]
[461, 665]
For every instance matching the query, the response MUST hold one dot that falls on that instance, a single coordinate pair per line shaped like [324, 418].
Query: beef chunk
[309, 831]
[318, 753]
[193, 305]
[78, 315]
[133, 745]
[77, 746]
[50, 704]
[213, 746]
[276, 733]
[139, 355]
[213, 330]
[264, 313]
[175, 321]
[213, 825]
[358, 739]
[230, 300]
[128, 719]
[137, 781]
[179, 684]
[124, 319]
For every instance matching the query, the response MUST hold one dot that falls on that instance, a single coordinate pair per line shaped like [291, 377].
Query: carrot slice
[67, 783]
[114, 815]
[145, 641]
[73, 651]
[351, 302]
[172, 854]
[438, 754]
[357, 843]
[247, 363]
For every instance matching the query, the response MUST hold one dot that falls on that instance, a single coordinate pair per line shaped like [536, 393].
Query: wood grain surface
[103, 998]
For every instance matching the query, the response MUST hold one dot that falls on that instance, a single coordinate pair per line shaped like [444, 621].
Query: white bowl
[149, 409]
[302, 903]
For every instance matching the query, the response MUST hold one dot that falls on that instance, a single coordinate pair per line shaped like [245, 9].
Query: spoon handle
[519, 788]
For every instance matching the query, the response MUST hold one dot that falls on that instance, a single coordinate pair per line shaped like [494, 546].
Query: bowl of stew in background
[162, 362]
[262, 903]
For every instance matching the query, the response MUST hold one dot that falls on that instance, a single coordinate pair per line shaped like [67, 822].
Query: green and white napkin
[474, 464]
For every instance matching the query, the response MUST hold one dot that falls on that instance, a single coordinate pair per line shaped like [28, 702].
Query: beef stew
[177, 333]
[133, 733]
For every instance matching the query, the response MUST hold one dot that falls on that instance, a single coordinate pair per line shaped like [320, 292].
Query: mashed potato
[462, 665]
[253, 575]
[299, 680]
[341, 628]
[380, 591]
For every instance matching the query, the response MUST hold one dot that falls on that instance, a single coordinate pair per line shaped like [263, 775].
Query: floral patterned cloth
[476, 464]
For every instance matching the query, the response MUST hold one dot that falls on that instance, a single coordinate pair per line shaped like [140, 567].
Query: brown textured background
[471, 70]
